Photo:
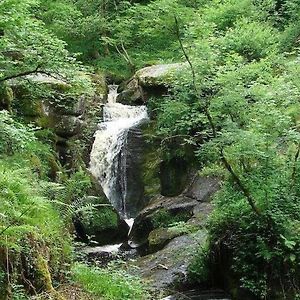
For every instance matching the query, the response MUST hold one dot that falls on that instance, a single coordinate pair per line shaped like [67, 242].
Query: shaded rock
[200, 213]
[192, 207]
[173, 176]
[202, 188]
[169, 266]
[151, 162]
[159, 237]
[133, 92]
[66, 125]
[100, 85]
[160, 212]
[6, 97]
[199, 295]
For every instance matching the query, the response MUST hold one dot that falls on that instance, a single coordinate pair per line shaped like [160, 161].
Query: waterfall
[108, 157]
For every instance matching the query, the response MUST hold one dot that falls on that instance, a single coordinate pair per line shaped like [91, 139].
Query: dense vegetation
[233, 112]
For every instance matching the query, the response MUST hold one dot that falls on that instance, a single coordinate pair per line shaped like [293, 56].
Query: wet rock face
[173, 176]
[134, 150]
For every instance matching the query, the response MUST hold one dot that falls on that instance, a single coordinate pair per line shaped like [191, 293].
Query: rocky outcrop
[202, 188]
[149, 81]
[133, 150]
[192, 207]
[158, 74]
[72, 113]
[161, 212]
[170, 229]
[169, 266]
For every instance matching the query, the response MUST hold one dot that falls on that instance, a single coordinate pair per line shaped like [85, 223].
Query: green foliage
[14, 136]
[100, 219]
[240, 112]
[199, 269]
[253, 40]
[30, 227]
[109, 283]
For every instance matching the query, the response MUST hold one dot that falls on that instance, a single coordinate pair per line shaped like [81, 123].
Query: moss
[151, 162]
[44, 276]
[6, 97]
[99, 82]
[100, 219]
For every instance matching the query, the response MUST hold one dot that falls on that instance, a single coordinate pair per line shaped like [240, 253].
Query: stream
[109, 165]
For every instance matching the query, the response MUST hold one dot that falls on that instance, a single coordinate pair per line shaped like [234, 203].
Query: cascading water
[108, 159]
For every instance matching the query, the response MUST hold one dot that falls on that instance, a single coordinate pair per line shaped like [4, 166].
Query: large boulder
[133, 150]
[202, 188]
[169, 267]
[158, 74]
[71, 111]
[149, 81]
[100, 224]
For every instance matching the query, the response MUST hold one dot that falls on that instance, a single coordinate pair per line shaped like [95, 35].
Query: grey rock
[67, 126]
[158, 74]
[149, 81]
[202, 188]
[169, 266]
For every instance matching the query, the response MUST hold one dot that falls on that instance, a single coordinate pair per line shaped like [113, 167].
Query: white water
[106, 248]
[107, 160]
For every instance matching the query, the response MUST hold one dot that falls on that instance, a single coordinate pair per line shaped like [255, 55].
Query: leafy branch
[208, 115]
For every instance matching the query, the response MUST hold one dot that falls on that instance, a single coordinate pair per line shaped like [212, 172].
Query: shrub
[109, 283]
[252, 39]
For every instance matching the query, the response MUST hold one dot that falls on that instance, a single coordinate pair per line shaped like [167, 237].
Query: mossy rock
[100, 84]
[6, 97]
[151, 161]
[159, 237]
[161, 212]
[101, 224]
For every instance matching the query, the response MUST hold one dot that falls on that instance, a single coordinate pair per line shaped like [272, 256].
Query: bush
[251, 39]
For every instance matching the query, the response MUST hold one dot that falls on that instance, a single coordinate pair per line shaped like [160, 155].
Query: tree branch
[295, 164]
[239, 183]
[225, 162]
[22, 74]
[30, 72]
[185, 54]
[206, 110]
